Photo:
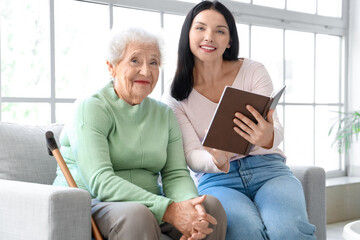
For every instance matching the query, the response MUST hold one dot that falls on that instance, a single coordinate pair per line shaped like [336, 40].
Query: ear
[111, 69]
[229, 44]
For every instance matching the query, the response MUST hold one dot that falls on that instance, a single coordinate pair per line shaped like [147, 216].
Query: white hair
[119, 39]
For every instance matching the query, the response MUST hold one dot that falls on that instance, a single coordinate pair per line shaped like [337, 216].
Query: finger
[198, 200]
[241, 133]
[203, 227]
[198, 235]
[210, 219]
[269, 116]
[245, 128]
[245, 120]
[202, 224]
[200, 209]
[183, 238]
[255, 113]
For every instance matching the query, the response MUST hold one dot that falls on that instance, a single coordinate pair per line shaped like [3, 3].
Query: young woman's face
[136, 75]
[209, 36]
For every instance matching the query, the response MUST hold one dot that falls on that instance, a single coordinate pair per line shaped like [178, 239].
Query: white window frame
[244, 13]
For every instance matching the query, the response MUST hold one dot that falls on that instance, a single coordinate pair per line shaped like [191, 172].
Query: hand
[183, 216]
[260, 134]
[201, 227]
[221, 158]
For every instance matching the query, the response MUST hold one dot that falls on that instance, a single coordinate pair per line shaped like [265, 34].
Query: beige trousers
[134, 221]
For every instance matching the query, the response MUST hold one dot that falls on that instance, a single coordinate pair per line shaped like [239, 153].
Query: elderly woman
[120, 141]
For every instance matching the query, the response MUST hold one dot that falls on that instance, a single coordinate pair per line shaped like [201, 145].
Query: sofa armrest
[313, 181]
[43, 212]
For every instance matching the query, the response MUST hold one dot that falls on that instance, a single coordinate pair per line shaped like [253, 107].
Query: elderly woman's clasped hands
[190, 218]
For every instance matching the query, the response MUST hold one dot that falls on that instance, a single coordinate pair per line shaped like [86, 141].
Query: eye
[134, 60]
[154, 63]
[221, 32]
[199, 28]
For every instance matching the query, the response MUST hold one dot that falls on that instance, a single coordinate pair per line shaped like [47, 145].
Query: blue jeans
[262, 199]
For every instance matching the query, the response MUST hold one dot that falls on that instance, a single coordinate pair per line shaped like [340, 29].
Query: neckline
[235, 80]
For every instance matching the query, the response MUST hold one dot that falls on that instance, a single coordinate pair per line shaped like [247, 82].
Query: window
[51, 55]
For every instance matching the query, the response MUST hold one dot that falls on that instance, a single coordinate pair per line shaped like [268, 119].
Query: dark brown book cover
[220, 134]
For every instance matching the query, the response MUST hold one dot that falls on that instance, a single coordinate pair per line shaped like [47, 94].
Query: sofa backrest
[24, 155]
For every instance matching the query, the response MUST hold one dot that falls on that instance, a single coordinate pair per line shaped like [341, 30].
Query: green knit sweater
[116, 151]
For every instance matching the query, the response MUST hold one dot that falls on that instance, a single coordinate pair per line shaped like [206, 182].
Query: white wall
[354, 77]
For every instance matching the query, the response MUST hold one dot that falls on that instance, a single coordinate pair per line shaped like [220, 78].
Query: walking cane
[54, 151]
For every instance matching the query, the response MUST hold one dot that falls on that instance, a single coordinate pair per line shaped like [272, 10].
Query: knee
[293, 230]
[139, 218]
[214, 208]
[246, 230]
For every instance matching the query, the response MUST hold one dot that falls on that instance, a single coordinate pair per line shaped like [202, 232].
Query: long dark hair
[183, 81]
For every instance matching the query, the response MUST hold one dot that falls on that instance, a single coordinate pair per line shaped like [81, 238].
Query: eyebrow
[153, 56]
[218, 26]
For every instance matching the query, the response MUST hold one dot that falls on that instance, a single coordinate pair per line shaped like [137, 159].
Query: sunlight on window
[267, 48]
[327, 69]
[244, 45]
[299, 66]
[331, 8]
[29, 113]
[305, 6]
[325, 155]
[80, 48]
[270, 3]
[64, 112]
[172, 29]
[299, 135]
[25, 48]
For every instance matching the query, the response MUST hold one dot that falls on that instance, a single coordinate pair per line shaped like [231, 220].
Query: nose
[209, 36]
[145, 70]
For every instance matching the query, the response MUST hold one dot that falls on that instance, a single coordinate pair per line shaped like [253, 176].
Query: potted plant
[346, 127]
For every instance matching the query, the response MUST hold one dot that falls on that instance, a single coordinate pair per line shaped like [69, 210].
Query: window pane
[79, 47]
[26, 113]
[327, 79]
[267, 48]
[244, 1]
[305, 6]
[299, 66]
[126, 17]
[299, 135]
[325, 155]
[152, 24]
[25, 48]
[64, 112]
[270, 3]
[172, 29]
[331, 8]
[244, 46]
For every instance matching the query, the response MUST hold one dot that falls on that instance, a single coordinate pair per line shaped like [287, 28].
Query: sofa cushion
[24, 155]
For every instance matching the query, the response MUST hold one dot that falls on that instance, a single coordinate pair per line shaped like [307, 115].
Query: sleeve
[261, 83]
[177, 182]
[89, 144]
[197, 158]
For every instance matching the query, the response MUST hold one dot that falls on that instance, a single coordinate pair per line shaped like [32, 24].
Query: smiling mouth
[208, 48]
[142, 82]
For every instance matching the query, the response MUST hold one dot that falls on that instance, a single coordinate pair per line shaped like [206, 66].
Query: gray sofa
[30, 208]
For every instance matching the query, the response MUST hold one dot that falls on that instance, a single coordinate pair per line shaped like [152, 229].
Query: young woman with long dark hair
[260, 195]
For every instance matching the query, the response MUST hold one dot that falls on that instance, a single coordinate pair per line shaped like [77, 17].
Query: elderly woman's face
[137, 73]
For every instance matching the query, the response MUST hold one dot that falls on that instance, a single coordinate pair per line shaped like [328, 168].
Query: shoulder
[158, 106]
[93, 110]
[252, 65]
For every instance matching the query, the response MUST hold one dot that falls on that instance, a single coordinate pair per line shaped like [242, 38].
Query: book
[220, 134]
